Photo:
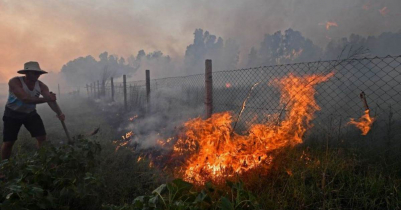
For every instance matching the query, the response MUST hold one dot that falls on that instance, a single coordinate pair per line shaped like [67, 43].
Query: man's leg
[10, 134]
[6, 149]
[34, 125]
[41, 140]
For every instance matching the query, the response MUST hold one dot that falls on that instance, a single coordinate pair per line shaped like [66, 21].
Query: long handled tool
[58, 111]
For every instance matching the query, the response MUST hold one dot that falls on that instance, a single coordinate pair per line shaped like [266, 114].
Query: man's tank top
[17, 105]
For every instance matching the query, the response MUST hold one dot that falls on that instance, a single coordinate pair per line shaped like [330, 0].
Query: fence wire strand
[379, 78]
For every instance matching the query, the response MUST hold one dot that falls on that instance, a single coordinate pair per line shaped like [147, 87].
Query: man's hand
[61, 117]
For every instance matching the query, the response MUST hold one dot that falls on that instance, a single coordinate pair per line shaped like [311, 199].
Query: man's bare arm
[14, 85]
[48, 95]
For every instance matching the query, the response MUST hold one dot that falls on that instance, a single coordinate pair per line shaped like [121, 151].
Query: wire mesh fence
[379, 78]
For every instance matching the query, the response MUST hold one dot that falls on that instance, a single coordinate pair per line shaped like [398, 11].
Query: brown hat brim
[24, 71]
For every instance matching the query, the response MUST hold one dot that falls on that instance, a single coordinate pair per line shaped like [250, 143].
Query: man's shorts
[32, 122]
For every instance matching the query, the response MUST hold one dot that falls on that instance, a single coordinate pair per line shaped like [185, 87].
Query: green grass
[309, 176]
[122, 177]
[313, 178]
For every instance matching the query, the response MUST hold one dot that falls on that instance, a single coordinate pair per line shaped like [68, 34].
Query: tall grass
[314, 175]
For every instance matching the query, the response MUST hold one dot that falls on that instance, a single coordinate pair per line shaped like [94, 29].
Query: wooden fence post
[209, 88]
[147, 87]
[98, 89]
[91, 88]
[94, 90]
[58, 86]
[112, 89]
[130, 95]
[125, 91]
[103, 88]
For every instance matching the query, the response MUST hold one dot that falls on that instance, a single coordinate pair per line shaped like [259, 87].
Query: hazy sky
[56, 31]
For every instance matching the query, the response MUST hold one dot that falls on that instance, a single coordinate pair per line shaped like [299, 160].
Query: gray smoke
[225, 55]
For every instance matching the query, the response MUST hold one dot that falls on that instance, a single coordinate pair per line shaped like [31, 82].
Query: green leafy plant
[182, 195]
[52, 178]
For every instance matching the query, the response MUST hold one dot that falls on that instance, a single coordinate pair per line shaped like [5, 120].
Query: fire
[364, 123]
[331, 24]
[127, 135]
[383, 11]
[292, 55]
[296, 54]
[132, 118]
[212, 150]
[126, 139]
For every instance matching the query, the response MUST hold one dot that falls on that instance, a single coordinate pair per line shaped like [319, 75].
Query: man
[20, 109]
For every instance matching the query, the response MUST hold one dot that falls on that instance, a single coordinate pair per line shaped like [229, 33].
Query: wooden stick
[363, 98]
[58, 112]
[66, 132]
[208, 88]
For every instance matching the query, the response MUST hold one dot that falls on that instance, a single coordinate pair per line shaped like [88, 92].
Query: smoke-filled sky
[54, 32]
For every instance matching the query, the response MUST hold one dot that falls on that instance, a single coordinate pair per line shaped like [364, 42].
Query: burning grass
[305, 176]
[211, 149]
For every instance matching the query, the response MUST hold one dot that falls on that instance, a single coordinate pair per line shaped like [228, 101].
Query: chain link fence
[379, 78]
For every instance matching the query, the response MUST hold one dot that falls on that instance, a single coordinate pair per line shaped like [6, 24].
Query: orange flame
[127, 135]
[331, 24]
[214, 151]
[132, 118]
[126, 139]
[365, 122]
[296, 54]
[293, 55]
[383, 11]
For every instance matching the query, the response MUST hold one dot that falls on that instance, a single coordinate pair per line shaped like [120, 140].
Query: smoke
[208, 46]
[162, 118]
[160, 65]
[283, 48]
[233, 33]
[87, 69]
[387, 43]
[122, 27]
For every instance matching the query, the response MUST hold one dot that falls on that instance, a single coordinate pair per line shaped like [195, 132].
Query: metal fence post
[112, 89]
[209, 88]
[87, 89]
[125, 91]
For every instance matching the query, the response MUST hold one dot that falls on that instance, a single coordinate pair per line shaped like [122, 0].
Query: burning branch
[244, 104]
[365, 122]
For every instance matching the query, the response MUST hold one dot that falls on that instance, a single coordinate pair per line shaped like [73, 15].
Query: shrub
[179, 194]
[53, 178]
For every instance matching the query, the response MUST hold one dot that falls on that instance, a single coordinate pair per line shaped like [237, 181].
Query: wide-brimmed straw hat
[31, 66]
